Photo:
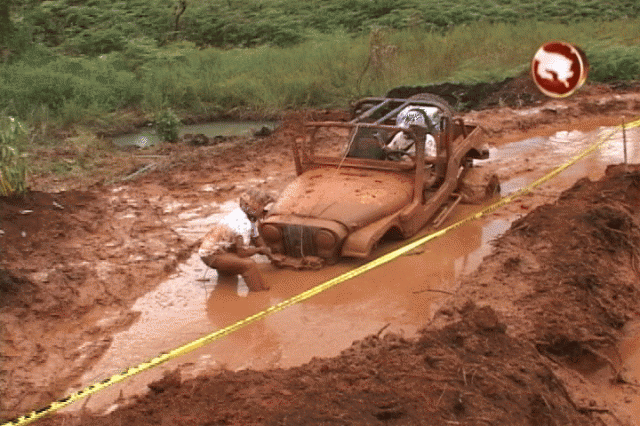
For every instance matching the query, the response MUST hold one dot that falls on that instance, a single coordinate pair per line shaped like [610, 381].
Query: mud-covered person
[412, 115]
[229, 245]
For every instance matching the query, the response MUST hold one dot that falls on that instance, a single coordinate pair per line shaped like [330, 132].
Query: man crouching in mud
[227, 246]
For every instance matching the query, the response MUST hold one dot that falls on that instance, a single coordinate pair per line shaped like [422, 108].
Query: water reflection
[248, 344]
[218, 128]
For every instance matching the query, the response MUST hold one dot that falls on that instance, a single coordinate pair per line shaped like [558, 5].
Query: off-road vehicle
[352, 189]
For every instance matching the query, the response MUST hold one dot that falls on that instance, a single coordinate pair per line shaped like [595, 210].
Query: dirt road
[76, 261]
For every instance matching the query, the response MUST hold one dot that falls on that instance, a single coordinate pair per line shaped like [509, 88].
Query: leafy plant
[101, 26]
[167, 125]
[13, 170]
[614, 62]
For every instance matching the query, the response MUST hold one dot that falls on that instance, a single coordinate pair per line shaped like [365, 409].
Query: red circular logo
[559, 69]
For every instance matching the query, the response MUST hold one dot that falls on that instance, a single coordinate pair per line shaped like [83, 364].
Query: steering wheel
[397, 154]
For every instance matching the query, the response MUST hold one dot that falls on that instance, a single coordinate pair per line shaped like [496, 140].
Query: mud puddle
[401, 296]
[219, 128]
[543, 154]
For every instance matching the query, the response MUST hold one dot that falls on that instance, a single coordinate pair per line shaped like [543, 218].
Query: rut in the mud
[565, 276]
[469, 372]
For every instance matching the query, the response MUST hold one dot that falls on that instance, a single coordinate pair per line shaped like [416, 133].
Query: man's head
[254, 202]
[417, 115]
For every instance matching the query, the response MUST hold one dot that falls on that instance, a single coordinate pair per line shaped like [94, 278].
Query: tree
[180, 7]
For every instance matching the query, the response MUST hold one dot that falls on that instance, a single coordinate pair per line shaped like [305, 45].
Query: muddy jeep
[352, 190]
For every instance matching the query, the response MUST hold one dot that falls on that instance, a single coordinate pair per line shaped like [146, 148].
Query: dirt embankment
[577, 259]
[565, 278]
[469, 372]
[72, 257]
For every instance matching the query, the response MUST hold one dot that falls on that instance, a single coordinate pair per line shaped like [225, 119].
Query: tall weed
[614, 62]
[13, 170]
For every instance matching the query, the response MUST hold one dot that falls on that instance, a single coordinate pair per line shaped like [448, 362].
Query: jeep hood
[354, 198]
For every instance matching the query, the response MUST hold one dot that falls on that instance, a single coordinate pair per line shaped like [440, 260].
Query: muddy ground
[74, 261]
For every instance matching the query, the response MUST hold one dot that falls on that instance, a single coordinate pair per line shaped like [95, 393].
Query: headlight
[271, 233]
[325, 240]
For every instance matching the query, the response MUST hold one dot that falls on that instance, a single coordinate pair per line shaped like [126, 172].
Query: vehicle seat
[367, 144]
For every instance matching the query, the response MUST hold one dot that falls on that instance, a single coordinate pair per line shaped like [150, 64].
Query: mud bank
[74, 266]
[470, 372]
[565, 279]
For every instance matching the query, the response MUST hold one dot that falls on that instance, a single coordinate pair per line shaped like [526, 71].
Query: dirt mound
[469, 372]
[514, 92]
[32, 223]
[64, 257]
[565, 276]
[40, 229]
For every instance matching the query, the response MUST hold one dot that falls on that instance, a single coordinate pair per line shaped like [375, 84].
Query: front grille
[298, 240]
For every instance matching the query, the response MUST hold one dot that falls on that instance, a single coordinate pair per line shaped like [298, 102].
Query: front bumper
[299, 237]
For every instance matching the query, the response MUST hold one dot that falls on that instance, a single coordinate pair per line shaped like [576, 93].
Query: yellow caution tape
[189, 347]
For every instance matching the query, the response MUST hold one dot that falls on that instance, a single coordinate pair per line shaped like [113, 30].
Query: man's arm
[245, 251]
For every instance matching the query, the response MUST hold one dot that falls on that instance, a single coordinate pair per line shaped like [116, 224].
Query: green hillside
[102, 26]
[74, 61]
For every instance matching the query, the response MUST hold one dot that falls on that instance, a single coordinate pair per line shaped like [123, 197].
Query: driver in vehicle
[414, 115]
[228, 245]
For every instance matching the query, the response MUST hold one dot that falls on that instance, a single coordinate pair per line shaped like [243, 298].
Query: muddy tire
[436, 100]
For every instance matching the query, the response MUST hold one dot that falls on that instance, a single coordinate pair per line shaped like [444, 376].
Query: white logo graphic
[559, 69]
[554, 66]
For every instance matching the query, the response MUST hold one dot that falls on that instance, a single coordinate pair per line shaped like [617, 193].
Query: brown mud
[470, 372]
[554, 296]
[74, 262]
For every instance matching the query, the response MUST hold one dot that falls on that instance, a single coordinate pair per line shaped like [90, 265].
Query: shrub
[614, 62]
[13, 171]
[167, 125]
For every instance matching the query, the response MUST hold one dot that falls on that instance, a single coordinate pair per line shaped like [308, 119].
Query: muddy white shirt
[221, 237]
[401, 141]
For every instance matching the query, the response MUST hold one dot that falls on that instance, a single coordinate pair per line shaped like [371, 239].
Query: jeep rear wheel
[434, 99]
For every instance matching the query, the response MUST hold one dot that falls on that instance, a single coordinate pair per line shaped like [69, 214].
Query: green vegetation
[101, 26]
[12, 166]
[65, 62]
[167, 125]
[326, 71]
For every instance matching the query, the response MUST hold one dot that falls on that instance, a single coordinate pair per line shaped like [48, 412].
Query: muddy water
[195, 302]
[221, 128]
[403, 294]
[543, 154]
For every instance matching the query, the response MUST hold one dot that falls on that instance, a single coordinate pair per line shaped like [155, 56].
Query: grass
[95, 27]
[47, 90]
[76, 69]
